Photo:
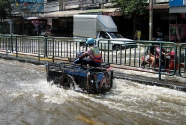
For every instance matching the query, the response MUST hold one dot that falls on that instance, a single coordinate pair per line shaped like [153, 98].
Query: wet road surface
[27, 99]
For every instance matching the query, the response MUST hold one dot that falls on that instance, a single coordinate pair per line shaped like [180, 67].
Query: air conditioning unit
[161, 1]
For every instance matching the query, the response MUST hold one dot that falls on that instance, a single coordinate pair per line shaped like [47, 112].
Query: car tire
[116, 47]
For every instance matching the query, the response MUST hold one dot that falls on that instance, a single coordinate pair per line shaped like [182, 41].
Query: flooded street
[27, 99]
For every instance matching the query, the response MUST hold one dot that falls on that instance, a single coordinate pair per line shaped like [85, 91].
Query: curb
[21, 59]
[152, 81]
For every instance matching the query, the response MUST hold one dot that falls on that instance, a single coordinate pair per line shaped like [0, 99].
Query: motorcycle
[89, 78]
[100, 75]
[167, 62]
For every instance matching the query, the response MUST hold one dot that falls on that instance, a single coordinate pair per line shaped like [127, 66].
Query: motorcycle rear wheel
[67, 82]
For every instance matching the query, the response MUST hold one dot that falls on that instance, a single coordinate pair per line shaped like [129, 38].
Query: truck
[103, 29]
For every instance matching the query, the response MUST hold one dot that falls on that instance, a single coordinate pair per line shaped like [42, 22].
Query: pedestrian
[138, 34]
[94, 54]
[159, 34]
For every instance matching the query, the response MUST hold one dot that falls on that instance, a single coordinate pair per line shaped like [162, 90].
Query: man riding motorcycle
[95, 58]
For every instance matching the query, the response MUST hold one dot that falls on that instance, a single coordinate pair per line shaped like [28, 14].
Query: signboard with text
[174, 3]
[30, 5]
[30, 1]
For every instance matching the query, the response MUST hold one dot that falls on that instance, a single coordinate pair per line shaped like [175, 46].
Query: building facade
[177, 11]
[59, 13]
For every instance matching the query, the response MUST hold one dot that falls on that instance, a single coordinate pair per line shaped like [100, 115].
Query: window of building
[52, 0]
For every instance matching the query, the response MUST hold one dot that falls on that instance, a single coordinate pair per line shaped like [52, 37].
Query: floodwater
[27, 99]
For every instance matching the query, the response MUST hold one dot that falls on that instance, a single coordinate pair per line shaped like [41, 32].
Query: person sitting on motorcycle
[152, 50]
[151, 55]
[156, 57]
[95, 57]
[149, 58]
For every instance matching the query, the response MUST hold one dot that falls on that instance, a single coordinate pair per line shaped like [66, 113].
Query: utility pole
[61, 5]
[102, 4]
[150, 19]
[82, 4]
[1, 25]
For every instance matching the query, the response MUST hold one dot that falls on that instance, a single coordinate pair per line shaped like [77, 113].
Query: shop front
[34, 26]
[178, 26]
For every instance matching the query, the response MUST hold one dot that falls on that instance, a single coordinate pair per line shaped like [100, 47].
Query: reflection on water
[26, 98]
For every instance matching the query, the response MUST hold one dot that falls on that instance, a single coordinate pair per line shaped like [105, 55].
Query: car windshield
[115, 35]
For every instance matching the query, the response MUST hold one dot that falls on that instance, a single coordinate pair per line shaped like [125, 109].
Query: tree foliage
[133, 7]
[5, 8]
[126, 7]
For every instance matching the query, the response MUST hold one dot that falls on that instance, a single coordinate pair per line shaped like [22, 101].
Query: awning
[100, 10]
[32, 18]
[160, 6]
[73, 12]
[181, 9]
[61, 14]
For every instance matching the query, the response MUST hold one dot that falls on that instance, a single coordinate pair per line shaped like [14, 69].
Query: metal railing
[125, 55]
[182, 60]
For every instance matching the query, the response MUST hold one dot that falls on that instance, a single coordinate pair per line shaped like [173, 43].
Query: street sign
[10, 22]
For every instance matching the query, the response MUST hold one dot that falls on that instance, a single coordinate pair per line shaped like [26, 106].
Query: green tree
[133, 7]
[5, 10]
